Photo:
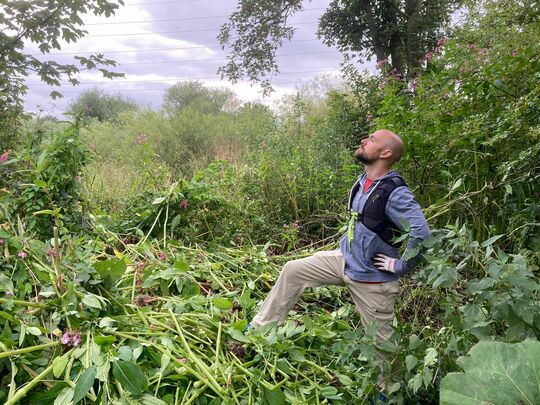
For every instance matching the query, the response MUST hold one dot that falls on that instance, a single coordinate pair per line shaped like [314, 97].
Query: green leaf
[130, 376]
[5, 283]
[181, 265]
[65, 396]
[222, 303]
[410, 362]
[273, 397]
[59, 365]
[92, 301]
[496, 372]
[491, 240]
[47, 397]
[110, 270]
[84, 383]
[104, 340]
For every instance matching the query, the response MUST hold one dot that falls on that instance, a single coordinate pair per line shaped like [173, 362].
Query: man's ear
[386, 154]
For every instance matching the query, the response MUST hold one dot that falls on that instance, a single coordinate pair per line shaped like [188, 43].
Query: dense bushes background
[233, 190]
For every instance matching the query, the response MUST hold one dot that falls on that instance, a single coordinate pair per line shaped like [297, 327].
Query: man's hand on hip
[385, 263]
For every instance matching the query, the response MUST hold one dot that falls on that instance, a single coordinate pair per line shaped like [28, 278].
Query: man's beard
[364, 159]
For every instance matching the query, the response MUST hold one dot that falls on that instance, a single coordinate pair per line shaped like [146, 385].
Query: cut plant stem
[28, 349]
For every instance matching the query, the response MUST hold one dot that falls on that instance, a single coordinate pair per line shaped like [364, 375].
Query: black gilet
[373, 216]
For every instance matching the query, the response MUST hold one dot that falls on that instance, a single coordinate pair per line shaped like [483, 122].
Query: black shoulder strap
[373, 215]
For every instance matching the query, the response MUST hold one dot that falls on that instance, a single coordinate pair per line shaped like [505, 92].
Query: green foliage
[45, 25]
[402, 31]
[496, 373]
[193, 95]
[46, 178]
[95, 103]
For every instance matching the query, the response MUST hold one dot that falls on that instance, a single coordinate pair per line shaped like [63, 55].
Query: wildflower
[78, 179]
[441, 42]
[1, 242]
[162, 256]
[71, 338]
[472, 47]
[76, 339]
[482, 51]
[4, 157]
[140, 266]
[369, 117]
[51, 252]
[22, 254]
[182, 360]
[515, 53]
[296, 224]
[184, 204]
[9, 294]
[428, 56]
[66, 338]
[412, 85]
[141, 138]
[462, 70]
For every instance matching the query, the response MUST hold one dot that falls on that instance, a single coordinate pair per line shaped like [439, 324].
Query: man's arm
[403, 210]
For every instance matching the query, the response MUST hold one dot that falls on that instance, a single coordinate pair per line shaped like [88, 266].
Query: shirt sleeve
[403, 210]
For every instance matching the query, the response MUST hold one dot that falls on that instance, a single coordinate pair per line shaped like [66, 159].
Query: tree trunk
[374, 31]
[414, 46]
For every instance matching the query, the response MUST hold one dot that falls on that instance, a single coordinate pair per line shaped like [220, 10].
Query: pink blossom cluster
[71, 338]
[412, 85]
[295, 224]
[142, 138]
[184, 204]
[51, 252]
[22, 254]
[162, 256]
[4, 157]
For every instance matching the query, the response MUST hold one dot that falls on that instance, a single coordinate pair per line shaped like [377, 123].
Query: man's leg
[320, 269]
[375, 303]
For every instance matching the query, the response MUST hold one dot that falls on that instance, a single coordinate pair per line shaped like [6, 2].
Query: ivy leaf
[130, 376]
[496, 372]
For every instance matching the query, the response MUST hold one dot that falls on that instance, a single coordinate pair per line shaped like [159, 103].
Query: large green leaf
[496, 373]
[84, 383]
[110, 270]
[130, 376]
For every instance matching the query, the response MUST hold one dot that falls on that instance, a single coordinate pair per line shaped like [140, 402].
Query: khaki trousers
[374, 302]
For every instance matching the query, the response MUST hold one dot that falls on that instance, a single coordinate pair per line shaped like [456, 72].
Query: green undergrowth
[103, 319]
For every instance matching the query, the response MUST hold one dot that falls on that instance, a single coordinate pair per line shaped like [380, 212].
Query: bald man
[368, 263]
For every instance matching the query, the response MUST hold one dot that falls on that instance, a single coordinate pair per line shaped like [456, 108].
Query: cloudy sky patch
[158, 43]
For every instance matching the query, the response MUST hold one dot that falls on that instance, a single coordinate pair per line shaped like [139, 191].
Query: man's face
[369, 149]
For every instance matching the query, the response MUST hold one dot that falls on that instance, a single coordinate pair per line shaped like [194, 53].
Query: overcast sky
[160, 42]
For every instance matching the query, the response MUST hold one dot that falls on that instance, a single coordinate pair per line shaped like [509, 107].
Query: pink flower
[472, 47]
[51, 252]
[1, 242]
[78, 179]
[515, 53]
[413, 84]
[66, 338]
[184, 204]
[4, 157]
[295, 224]
[76, 339]
[462, 70]
[482, 51]
[441, 41]
[141, 138]
[428, 56]
[71, 338]
[22, 254]
[162, 256]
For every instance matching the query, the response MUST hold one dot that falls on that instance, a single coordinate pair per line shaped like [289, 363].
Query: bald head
[392, 142]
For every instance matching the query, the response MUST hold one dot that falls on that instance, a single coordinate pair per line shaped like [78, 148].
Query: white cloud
[184, 49]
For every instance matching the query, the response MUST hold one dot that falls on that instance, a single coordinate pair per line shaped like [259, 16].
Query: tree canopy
[44, 23]
[194, 95]
[398, 33]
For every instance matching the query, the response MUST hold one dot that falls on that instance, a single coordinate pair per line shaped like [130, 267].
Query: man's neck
[374, 172]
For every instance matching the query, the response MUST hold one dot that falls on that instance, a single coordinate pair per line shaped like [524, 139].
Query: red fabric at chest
[367, 184]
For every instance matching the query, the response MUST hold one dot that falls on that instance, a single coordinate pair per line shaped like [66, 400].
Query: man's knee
[291, 269]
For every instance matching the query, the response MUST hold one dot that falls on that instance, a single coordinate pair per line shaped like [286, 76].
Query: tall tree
[194, 95]
[44, 23]
[396, 32]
